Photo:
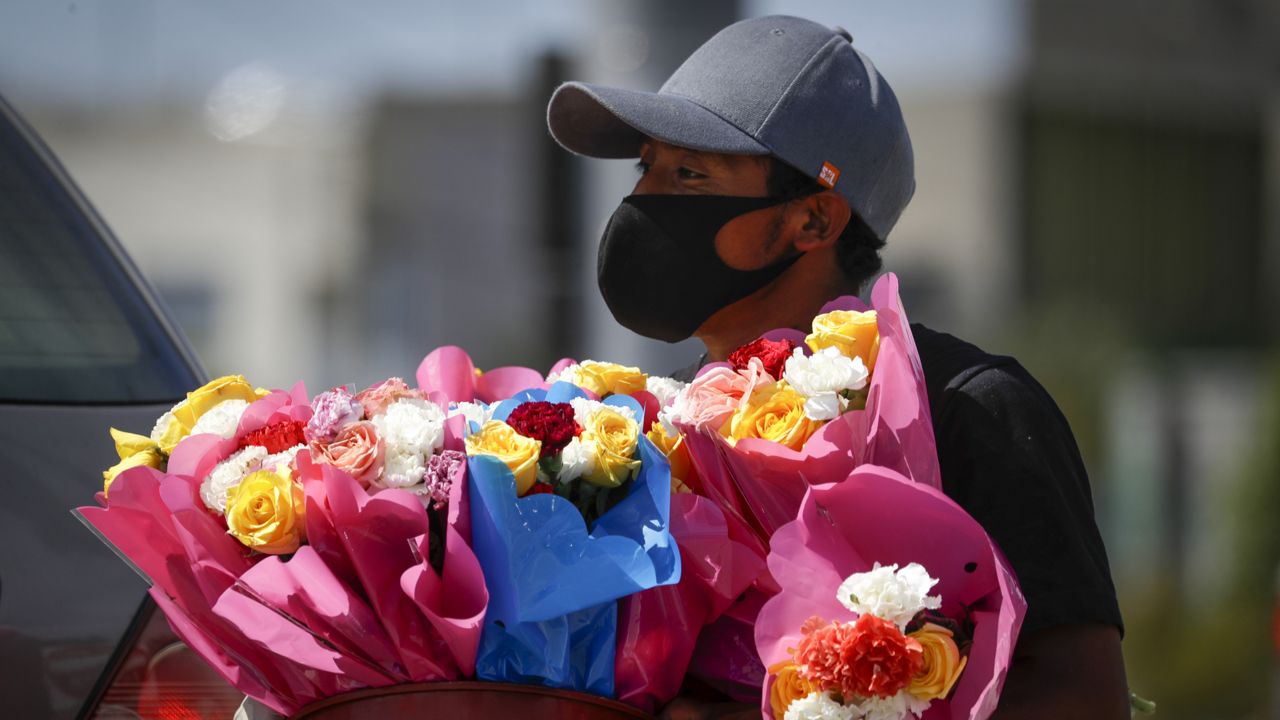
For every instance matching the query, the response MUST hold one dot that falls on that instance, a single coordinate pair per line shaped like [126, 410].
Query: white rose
[228, 474]
[889, 593]
[821, 377]
[221, 420]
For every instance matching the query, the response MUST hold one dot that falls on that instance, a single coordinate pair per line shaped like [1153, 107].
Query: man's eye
[687, 174]
[642, 167]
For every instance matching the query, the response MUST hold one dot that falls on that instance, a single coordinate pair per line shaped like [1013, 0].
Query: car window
[73, 327]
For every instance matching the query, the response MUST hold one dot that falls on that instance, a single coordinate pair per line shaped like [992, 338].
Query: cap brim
[608, 122]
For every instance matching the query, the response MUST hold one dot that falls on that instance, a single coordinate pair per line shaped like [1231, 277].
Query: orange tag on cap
[828, 175]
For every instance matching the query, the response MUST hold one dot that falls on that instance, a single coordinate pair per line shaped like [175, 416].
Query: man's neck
[792, 302]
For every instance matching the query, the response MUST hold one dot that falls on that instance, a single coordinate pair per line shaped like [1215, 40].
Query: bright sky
[91, 51]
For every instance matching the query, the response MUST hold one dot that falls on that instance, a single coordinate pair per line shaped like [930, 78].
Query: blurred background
[327, 190]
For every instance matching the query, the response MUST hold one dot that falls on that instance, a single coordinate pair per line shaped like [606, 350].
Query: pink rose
[356, 450]
[713, 397]
[376, 399]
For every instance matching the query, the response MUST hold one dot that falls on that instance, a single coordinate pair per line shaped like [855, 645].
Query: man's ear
[824, 217]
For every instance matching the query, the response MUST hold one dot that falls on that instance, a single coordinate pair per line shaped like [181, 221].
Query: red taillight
[161, 678]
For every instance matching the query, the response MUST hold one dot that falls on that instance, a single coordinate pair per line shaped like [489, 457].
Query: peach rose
[356, 450]
[376, 399]
[713, 397]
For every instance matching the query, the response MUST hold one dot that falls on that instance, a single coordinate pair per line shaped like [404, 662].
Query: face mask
[658, 269]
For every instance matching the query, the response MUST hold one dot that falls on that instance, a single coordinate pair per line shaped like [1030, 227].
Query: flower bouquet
[570, 513]
[894, 604]
[303, 549]
[656, 627]
[792, 409]
[722, 558]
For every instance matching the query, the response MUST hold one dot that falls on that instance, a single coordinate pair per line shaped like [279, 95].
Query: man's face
[749, 241]
[671, 170]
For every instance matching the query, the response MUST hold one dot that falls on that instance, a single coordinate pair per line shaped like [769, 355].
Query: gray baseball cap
[776, 85]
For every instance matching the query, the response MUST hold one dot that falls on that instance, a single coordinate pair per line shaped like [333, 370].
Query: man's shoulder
[953, 366]
[973, 391]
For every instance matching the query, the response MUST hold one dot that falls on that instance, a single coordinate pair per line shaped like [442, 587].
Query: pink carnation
[331, 411]
[442, 468]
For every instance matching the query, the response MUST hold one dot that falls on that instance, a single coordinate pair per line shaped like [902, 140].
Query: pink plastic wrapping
[658, 628]
[764, 482]
[448, 370]
[358, 606]
[878, 515]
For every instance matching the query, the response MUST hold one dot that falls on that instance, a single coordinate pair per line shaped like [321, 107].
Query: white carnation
[162, 424]
[577, 459]
[228, 474]
[889, 593]
[677, 411]
[221, 419]
[477, 413]
[411, 426]
[402, 469]
[894, 707]
[584, 410]
[568, 374]
[280, 459]
[819, 706]
[821, 377]
[664, 389]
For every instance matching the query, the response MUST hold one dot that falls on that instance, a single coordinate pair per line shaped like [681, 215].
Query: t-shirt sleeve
[1009, 458]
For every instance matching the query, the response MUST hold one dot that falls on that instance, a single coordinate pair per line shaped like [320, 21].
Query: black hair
[857, 248]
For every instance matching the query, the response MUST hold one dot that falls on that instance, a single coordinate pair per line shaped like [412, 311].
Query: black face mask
[658, 269]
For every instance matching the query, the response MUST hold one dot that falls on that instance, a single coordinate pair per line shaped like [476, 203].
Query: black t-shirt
[1008, 457]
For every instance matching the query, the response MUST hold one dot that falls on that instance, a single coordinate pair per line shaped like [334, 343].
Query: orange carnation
[867, 658]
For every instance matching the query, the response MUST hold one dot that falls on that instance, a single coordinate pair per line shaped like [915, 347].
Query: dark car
[85, 345]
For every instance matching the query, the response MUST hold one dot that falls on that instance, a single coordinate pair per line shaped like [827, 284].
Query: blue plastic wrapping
[554, 586]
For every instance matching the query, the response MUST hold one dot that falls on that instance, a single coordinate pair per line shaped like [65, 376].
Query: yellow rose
[134, 451]
[788, 686]
[854, 333]
[604, 378]
[677, 456]
[615, 437]
[775, 413]
[266, 512]
[200, 401]
[942, 663]
[517, 452]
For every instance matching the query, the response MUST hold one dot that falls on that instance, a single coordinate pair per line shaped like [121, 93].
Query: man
[773, 164]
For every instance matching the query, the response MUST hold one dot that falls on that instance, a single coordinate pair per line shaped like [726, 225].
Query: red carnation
[870, 657]
[540, 488]
[276, 437]
[552, 424]
[773, 353]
